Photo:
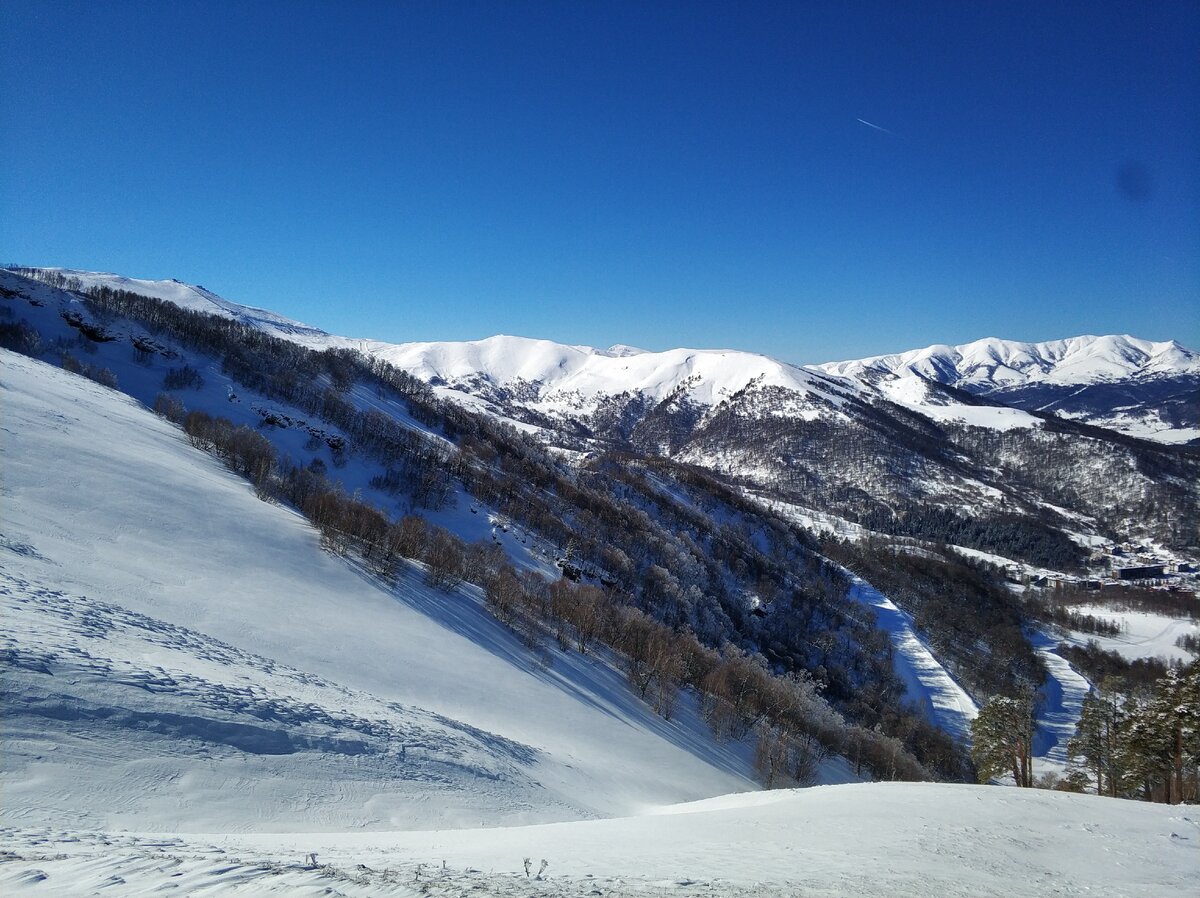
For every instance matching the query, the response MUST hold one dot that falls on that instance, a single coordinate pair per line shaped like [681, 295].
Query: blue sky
[656, 174]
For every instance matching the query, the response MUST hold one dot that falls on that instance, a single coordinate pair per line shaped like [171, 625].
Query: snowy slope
[923, 395]
[189, 296]
[180, 655]
[927, 683]
[884, 840]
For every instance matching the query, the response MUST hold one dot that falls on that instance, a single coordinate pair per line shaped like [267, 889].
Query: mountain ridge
[1062, 361]
[1144, 388]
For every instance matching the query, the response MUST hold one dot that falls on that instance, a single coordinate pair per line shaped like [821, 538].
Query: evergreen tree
[1002, 739]
[1097, 740]
[1162, 740]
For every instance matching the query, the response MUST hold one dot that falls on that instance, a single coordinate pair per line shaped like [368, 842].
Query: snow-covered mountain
[1144, 388]
[992, 364]
[180, 657]
[858, 439]
[187, 296]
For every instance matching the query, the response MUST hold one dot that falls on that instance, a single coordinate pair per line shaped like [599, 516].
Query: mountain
[1135, 386]
[691, 480]
[900, 451]
[187, 296]
[1139, 387]
[510, 581]
[858, 441]
[181, 658]
[370, 452]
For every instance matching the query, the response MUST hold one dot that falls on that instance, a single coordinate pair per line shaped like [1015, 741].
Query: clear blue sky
[649, 173]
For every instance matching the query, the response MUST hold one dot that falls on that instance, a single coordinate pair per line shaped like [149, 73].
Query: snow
[566, 380]
[188, 296]
[995, 368]
[1146, 425]
[563, 380]
[187, 656]
[913, 392]
[1143, 634]
[1058, 712]
[992, 361]
[929, 684]
[888, 840]
[566, 376]
[180, 658]
[570, 381]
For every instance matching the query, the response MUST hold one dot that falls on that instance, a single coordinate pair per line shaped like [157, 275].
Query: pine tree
[1002, 739]
[1162, 740]
[1097, 740]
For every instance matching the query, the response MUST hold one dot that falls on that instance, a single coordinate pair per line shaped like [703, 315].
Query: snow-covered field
[1144, 634]
[887, 840]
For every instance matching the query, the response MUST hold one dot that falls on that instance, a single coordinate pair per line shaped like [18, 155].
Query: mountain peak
[992, 362]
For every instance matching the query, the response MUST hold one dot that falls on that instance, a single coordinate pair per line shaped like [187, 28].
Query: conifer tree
[1097, 740]
[1002, 739]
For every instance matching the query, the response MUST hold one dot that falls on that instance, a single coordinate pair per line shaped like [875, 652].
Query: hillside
[673, 562]
[180, 655]
[697, 483]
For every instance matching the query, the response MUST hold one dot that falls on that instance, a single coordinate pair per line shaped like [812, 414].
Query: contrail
[876, 127]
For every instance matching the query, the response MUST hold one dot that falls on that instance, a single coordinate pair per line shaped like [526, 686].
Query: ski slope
[179, 655]
[928, 684]
[1059, 708]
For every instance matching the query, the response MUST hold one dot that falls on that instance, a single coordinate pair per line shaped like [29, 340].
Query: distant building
[1142, 572]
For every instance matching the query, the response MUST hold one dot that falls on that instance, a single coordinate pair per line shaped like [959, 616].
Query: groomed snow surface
[196, 696]
[928, 683]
